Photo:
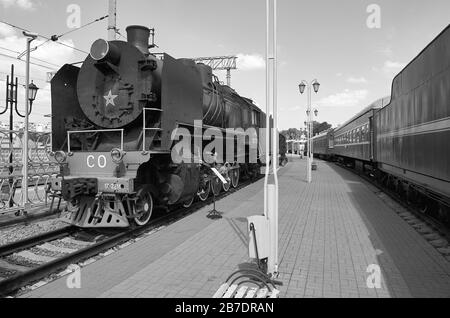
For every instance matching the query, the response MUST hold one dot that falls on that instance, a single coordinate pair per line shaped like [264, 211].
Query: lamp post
[302, 86]
[30, 95]
[316, 112]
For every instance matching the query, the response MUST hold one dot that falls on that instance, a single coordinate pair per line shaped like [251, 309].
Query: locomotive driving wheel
[235, 176]
[143, 206]
[226, 186]
[216, 185]
[188, 202]
[204, 189]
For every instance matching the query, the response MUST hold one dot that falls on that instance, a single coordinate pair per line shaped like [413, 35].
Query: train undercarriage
[424, 200]
[88, 207]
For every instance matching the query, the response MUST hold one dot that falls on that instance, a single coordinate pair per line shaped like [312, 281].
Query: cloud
[51, 52]
[393, 67]
[22, 4]
[6, 31]
[390, 68]
[387, 52]
[346, 98]
[293, 108]
[356, 80]
[339, 74]
[250, 62]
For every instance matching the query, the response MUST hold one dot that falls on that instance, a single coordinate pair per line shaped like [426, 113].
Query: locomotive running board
[84, 217]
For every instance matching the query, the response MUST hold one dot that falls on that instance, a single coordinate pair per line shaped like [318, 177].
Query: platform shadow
[382, 240]
[239, 226]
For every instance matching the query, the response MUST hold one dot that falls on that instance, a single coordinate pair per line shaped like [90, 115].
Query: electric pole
[112, 20]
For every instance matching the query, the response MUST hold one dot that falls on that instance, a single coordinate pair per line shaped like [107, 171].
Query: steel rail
[13, 283]
[35, 240]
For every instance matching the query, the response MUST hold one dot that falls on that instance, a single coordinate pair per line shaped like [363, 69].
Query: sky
[327, 40]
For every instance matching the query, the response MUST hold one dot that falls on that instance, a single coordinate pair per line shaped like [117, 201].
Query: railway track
[433, 230]
[27, 261]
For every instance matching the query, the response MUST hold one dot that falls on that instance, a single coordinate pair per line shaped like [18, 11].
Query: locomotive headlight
[117, 155]
[60, 156]
[102, 50]
[99, 49]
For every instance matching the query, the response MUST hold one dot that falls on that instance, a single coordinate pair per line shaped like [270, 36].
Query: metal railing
[41, 167]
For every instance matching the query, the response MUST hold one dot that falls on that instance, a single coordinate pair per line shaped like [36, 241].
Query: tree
[320, 127]
[292, 134]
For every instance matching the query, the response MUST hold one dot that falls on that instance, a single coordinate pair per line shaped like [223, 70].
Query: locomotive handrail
[144, 121]
[94, 131]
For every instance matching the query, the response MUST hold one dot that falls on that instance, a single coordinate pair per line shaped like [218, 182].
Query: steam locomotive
[113, 133]
[403, 140]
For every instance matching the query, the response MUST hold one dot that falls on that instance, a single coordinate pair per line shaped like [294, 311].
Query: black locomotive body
[114, 121]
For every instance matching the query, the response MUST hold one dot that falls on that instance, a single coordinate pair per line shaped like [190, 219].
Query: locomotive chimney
[138, 36]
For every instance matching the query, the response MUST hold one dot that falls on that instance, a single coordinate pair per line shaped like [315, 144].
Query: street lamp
[316, 86]
[30, 94]
[302, 86]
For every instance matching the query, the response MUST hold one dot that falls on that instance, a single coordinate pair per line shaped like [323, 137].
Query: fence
[41, 167]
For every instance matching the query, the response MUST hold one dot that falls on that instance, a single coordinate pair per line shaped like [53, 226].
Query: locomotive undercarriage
[88, 208]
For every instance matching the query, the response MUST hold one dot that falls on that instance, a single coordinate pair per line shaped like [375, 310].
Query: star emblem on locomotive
[110, 98]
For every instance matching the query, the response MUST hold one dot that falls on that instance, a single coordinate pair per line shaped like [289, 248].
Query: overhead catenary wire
[81, 27]
[33, 58]
[55, 38]
[44, 37]
[120, 34]
[33, 63]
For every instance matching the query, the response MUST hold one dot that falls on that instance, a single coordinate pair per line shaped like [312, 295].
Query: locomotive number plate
[113, 186]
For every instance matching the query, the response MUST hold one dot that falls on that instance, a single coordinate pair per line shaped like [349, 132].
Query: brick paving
[330, 232]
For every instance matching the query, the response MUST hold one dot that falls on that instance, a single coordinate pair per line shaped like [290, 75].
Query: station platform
[331, 232]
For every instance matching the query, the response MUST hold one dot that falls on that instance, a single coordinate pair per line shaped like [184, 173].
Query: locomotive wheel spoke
[216, 186]
[204, 191]
[226, 186]
[235, 177]
[143, 207]
[188, 202]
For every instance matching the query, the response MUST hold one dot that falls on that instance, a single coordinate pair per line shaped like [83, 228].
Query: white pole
[271, 104]
[24, 185]
[309, 173]
[112, 22]
[267, 136]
